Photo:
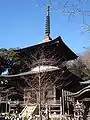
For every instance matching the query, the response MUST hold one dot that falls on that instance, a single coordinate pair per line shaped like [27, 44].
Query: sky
[22, 24]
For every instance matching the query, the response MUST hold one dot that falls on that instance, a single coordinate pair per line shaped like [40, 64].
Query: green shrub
[25, 118]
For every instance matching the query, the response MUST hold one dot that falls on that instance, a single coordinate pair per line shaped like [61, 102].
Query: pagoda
[49, 80]
[47, 85]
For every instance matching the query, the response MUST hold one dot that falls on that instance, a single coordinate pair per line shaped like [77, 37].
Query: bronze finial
[47, 25]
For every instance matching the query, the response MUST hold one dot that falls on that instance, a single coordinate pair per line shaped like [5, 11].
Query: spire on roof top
[47, 26]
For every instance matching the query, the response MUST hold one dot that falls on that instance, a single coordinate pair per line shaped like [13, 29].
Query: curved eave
[82, 91]
[65, 50]
[62, 48]
[29, 73]
[85, 82]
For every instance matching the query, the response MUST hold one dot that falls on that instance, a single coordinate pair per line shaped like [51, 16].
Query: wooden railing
[12, 102]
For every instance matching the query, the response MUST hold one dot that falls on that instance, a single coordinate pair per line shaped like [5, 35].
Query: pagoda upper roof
[61, 48]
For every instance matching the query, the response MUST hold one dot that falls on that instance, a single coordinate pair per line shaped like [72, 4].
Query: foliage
[78, 67]
[86, 58]
[25, 118]
[11, 61]
[3, 61]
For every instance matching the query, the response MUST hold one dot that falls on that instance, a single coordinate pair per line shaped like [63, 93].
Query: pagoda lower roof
[70, 81]
[61, 48]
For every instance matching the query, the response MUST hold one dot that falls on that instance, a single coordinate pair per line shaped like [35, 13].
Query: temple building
[48, 87]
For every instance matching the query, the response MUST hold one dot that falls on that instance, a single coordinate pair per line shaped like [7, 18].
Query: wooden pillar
[37, 97]
[9, 105]
[54, 93]
[24, 97]
[43, 95]
[68, 102]
[62, 102]
[60, 106]
[40, 116]
[49, 111]
[0, 102]
[0, 97]
[6, 102]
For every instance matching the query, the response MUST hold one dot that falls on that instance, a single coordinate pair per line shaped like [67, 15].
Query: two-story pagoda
[48, 83]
